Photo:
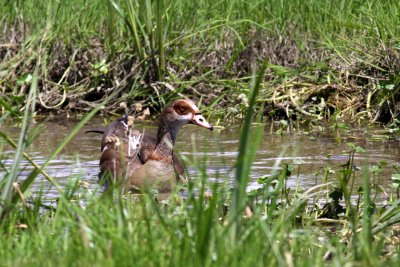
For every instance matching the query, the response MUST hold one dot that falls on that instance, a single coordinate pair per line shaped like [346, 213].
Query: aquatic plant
[74, 57]
[324, 60]
[210, 225]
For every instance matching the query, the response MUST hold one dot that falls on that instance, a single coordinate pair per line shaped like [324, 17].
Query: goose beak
[199, 120]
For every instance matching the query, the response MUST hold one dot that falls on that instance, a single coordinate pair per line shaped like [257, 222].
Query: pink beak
[199, 120]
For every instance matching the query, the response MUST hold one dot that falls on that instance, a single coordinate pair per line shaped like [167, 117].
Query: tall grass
[189, 44]
[229, 227]
[146, 24]
[12, 175]
[249, 142]
[375, 20]
[12, 192]
[268, 227]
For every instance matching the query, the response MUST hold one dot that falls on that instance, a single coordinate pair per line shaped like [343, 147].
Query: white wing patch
[133, 143]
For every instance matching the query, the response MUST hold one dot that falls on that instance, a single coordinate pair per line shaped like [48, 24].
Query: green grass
[334, 59]
[269, 226]
[319, 54]
[195, 231]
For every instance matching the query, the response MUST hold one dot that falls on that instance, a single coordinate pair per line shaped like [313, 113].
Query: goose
[149, 162]
[119, 149]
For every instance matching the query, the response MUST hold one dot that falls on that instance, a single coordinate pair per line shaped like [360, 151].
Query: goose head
[178, 114]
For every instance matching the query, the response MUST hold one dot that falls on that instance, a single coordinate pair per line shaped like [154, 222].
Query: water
[215, 152]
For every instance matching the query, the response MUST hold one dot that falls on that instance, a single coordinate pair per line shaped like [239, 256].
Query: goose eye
[182, 109]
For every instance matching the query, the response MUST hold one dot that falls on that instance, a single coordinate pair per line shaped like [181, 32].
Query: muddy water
[215, 152]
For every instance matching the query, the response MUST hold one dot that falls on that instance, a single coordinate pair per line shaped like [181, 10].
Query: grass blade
[242, 163]
[11, 178]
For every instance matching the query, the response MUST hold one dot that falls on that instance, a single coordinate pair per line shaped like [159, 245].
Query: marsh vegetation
[324, 59]
[327, 64]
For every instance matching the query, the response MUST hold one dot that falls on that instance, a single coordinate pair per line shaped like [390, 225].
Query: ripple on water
[216, 151]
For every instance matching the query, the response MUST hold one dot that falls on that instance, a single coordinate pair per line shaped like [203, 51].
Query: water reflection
[215, 152]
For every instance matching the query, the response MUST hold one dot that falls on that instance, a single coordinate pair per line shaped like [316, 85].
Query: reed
[11, 192]
[210, 44]
[246, 155]
[270, 226]
[147, 27]
[12, 175]
[187, 44]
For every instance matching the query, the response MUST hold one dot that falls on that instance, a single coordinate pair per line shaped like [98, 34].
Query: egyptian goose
[152, 164]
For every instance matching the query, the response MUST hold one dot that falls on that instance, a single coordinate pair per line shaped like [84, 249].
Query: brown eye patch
[181, 110]
[184, 107]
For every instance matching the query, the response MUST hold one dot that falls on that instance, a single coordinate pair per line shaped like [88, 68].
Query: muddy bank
[302, 82]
